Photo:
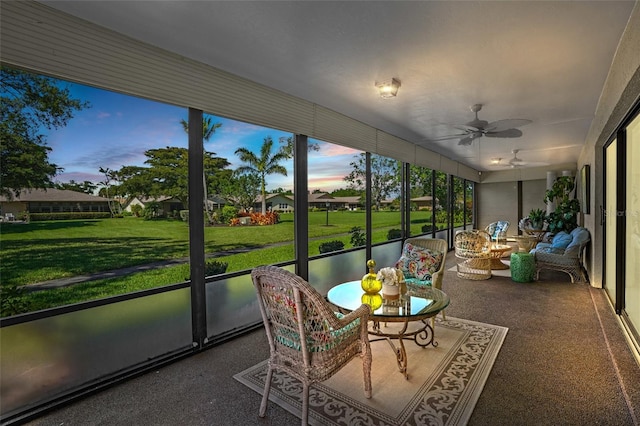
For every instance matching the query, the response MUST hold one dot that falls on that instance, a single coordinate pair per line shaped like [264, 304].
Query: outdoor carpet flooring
[443, 387]
[494, 272]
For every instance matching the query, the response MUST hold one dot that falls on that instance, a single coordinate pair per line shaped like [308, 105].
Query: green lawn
[41, 251]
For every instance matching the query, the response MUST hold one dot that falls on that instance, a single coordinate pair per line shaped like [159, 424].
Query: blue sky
[117, 129]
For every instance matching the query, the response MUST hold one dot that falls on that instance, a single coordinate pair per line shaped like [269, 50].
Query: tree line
[32, 102]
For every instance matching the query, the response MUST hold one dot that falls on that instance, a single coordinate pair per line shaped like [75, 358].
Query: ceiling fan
[477, 128]
[515, 162]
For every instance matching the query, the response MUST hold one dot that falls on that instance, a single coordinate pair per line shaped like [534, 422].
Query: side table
[523, 267]
[497, 251]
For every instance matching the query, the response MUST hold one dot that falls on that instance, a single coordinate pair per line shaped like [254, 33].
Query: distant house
[275, 202]
[318, 200]
[423, 203]
[52, 200]
[349, 203]
[167, 204]
[322, 200]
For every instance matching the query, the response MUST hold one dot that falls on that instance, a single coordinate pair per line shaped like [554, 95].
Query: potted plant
[537, 218]
[565, 216]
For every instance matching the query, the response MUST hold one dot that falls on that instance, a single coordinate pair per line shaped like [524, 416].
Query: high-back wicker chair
[498, 231]
[307, 339]
[435, 245]
[474, 246]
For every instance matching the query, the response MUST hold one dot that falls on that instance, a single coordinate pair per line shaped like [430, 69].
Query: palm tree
[266, 164]
[208, 129]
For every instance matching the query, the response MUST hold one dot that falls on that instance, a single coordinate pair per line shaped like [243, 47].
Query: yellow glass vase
[373, 300]
[370, 283]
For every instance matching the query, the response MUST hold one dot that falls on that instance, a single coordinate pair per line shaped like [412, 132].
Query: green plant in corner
[565, 216]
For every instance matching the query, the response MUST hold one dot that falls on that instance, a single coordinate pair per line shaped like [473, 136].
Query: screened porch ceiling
[544, 61]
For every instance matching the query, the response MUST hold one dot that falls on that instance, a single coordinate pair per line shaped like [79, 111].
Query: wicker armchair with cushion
[307, 339]
[498, 231]
[422, 263]
[564, 253]
[474, 246]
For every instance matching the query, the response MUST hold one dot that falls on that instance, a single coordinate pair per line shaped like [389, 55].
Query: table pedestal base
[422, 336]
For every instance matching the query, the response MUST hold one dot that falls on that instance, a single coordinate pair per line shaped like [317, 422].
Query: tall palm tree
[208, 129]
[265, 164]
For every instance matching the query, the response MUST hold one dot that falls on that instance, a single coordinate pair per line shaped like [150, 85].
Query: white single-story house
[51, 200]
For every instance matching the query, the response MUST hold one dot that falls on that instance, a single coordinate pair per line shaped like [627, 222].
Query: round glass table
[417, 303]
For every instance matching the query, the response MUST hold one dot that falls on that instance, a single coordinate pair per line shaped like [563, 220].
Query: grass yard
[41, 251]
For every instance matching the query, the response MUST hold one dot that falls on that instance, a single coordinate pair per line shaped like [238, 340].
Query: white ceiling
[544, 61]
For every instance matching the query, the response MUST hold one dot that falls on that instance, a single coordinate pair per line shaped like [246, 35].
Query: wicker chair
[567, 259]
[498, 231]
[474, 246]
[307, 339]
[435, 245]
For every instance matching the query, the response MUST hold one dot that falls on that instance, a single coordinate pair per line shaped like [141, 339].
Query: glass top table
[417, 304]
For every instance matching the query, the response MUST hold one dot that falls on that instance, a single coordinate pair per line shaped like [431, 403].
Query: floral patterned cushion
[418, 262]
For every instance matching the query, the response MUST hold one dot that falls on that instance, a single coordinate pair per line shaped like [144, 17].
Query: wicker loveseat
[564, 253]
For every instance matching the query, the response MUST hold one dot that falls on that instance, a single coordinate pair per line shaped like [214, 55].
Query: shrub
[426, 228]
[228, 213]
[358, 238]
[136, 210]
[329, 246]
[442, 217]
[214, 267]
[151, 210]
[394, 234]
[13, 300]
[269, 218]
[184, 215]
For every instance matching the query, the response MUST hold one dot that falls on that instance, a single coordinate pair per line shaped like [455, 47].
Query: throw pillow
[560, 242]
[418, 262]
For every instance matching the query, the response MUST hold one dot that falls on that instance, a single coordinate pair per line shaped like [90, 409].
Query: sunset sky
[117, 129]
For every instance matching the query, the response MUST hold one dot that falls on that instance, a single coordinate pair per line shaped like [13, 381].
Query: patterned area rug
[443, 387]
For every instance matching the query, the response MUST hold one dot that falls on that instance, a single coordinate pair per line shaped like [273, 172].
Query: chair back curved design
[307, 339]
[498, 231]
[474, 246]
[432, 252]
[435, 245]
[564, 253]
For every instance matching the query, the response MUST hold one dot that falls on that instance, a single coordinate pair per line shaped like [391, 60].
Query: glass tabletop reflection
[418, 301]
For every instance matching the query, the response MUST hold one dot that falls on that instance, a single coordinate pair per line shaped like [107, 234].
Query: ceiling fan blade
[446, 138]
[466, 128]
[509, 133]
[466, 141]
[509, 123]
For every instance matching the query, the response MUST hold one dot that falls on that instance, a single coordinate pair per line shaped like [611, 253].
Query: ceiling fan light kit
[388, 89]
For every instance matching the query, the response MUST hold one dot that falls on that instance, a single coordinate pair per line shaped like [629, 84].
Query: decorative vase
[390, 291]
[373, 300]
[370, 283]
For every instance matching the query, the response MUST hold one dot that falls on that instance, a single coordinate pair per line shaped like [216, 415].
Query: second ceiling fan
[477, 128]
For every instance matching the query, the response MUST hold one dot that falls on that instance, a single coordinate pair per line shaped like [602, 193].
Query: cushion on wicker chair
[325, 339]
[419, 262]
[498, 230]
